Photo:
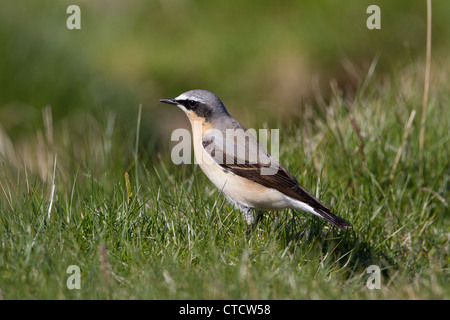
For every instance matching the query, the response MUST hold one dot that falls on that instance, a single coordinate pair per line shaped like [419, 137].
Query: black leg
[252, 222]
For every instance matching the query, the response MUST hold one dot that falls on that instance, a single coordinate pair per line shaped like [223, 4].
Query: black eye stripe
[190, 104]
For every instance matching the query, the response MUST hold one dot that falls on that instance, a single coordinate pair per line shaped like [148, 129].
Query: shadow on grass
[349, 250]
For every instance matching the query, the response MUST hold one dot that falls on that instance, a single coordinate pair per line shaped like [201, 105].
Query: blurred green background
[264, 59]
[69, 114]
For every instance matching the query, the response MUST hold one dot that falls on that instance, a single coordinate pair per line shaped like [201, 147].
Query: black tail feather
[328, 216]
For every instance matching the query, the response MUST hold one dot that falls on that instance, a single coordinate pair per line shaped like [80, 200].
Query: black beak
[169, 101]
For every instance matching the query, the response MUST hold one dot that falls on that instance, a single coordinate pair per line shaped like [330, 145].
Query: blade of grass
[400, 150]
[426, 88]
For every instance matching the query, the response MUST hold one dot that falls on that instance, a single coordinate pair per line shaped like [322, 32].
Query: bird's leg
[251, 221]
[248, 213]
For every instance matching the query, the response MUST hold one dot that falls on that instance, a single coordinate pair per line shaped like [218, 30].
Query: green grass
[170, 235]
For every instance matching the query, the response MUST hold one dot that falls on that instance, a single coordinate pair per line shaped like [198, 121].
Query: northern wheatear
[239, 166]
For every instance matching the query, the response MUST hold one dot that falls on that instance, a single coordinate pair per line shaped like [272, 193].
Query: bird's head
[199, 105]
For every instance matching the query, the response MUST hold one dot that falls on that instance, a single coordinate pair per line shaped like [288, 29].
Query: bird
[240, 167]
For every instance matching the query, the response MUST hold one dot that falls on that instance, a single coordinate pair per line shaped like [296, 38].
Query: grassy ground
[169, 234]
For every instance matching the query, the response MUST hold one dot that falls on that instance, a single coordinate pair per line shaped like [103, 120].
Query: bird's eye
[192, 103]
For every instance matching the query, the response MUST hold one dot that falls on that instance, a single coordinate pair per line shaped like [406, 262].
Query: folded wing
[241, 154]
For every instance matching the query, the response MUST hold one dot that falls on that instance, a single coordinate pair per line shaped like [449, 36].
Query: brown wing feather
[282, 181]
